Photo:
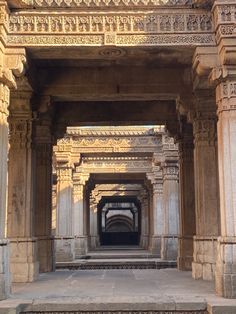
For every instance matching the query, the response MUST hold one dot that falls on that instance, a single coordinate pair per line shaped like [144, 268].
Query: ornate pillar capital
[64, 173]
[43, 130]
[20, 121]
[80, 178]
[204, 118]
[204, 60]
[156, 179]
[12, 65]
[170, 171]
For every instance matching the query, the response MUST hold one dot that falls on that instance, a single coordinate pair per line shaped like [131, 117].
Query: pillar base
[204, 257]
[155, 244]
[24, 265]
[169, 247]
[225, 275]
[144, 241]
[185, 253]
[64, 249]
[5, 278]
[46, 254]
[81, 246]
[94, 242]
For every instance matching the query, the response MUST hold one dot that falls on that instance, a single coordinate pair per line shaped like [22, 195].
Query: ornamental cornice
[117, 187]
[97, 3]
[124, 28]
[115, 159]
[116, 165]
[116, 144]
[114, 131]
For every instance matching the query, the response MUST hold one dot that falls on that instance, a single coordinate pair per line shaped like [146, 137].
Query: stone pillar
[144, 237]
[157, 217]
[64, 239]
[24, 265]
[43, 192]
[4, 245]
[206, 188]
[226, 256]
[94, 237]
[169, 246]
[79, 214]
[187, 199]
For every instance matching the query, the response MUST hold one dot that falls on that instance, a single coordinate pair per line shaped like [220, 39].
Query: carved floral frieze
[105, 28]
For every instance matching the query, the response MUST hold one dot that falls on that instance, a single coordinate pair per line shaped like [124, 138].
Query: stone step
[119, 253]
[117, 264]
[110, 305]
[118, 256]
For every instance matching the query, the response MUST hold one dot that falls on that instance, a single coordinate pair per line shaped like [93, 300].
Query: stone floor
[91, 290]
[104, 283]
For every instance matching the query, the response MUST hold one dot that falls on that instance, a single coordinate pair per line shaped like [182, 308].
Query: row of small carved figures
[111, 23]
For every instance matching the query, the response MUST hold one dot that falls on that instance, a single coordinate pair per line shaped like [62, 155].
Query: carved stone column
[64, 238]
[187, 199]
[4, 245]
[79, 214]
[11, 64]
[43, 192]
[144, 236]
[157, 213]
[206, 188]
[24, 264]
[169, 246]
[94, 237]
[226, 257]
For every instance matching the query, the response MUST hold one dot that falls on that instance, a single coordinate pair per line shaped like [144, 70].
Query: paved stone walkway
[132, 290]
[97, 283]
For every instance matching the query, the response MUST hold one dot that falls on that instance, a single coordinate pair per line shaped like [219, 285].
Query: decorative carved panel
[145, 28]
